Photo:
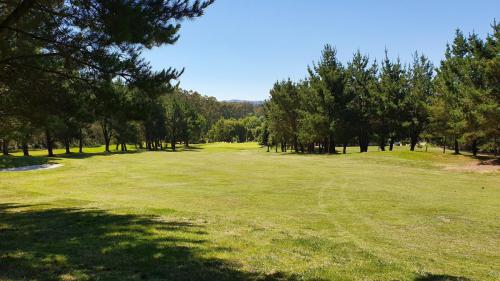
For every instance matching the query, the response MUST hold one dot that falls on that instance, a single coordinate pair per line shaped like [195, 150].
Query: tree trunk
[363, 145]
[363, 141]
[80, 142]
[66, 145]
[106, 134]
[413, 143]
[444, 144]
[474, 147]
[26, 151]
[344, 149]
[391, 144]
[495, 149]
[457, 149]
[331, 145]
[48, 137]
[5, 147]
[310, 148]
[382, 144]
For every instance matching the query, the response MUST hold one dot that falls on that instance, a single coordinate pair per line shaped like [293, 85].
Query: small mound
[32, 168]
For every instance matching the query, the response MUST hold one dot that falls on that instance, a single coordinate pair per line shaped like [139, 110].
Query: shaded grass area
[38, 157]
[77, 244]
[20, 161]
[234, 212]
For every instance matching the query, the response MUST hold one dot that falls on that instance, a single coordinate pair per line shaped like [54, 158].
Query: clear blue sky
[239, 48]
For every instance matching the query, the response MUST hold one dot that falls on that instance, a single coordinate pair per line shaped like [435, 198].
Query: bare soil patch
[477, 166]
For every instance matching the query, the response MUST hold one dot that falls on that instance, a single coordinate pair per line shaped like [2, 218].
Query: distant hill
[245, 101]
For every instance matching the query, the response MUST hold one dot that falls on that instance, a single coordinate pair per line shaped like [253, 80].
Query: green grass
[235, 212]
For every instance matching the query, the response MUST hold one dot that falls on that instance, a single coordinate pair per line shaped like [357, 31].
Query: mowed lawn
[236, 212]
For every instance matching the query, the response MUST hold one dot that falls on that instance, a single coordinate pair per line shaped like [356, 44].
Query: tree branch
[15, 16]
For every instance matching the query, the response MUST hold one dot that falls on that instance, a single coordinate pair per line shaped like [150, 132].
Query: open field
[235, 212]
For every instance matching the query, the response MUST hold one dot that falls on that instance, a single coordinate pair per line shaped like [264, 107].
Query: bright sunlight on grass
[234, 212]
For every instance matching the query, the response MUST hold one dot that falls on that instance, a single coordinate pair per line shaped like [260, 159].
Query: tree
[327, 82]
[361, 88]
[466, 88]
[420, 92]
[393, 90]
[283, 111]
[228, 130]
[94, 42]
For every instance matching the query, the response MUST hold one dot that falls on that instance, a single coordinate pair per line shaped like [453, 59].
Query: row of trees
[177, 117]
[69, 66]
[365, 102]
[188, 117]
[245, 129]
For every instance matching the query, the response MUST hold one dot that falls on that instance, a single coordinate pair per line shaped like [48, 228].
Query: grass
[235, 212]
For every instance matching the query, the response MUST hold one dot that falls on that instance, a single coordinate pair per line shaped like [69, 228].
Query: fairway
[235, 212]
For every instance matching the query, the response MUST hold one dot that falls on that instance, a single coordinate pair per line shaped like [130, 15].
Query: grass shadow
[85, 155]
[14, 161]
[78, 244]
[7, 162]
[485, 159]
[182, 148]
[441, 277]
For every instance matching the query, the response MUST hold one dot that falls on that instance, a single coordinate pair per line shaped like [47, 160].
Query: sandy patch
[489, 166]
[32, 168]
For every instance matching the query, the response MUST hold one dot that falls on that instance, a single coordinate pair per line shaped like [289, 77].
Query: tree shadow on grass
[76, 244]
[21, 161]
[181, 148]
[85, 155]
[12, 161]
[441, 277]
[488, 160]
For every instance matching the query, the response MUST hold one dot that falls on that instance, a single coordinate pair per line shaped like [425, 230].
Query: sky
[240, 48]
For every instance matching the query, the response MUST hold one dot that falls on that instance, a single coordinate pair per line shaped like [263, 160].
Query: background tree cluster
[366, 103]
[70, 66]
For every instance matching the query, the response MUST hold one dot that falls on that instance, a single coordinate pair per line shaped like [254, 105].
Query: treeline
[188, 117]
[177, 117]
[250, 128]
[367, 103]
[71, 72]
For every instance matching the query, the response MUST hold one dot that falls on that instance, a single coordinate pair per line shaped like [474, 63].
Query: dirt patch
[486, 166]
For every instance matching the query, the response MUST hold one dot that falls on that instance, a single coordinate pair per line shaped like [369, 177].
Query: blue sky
[239, 48]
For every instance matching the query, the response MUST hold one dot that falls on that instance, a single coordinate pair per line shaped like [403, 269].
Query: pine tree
[361, 88]
[420, 92]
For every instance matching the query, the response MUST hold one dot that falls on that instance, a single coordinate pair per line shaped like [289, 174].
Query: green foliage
[420, 92]
[228, 130]
[468, 102]
[67, 64]
[359, 103]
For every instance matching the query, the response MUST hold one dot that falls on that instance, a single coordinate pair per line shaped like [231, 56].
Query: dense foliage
[71, 73]
[367, 103]
[68, 68]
